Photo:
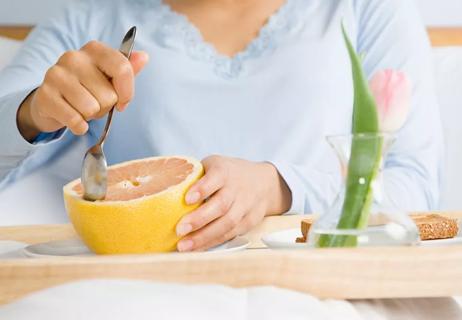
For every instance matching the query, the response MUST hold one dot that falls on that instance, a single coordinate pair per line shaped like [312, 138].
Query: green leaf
[365, 116]
[364, 158]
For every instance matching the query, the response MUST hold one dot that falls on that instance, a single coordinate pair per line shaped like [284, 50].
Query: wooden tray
[362, 273]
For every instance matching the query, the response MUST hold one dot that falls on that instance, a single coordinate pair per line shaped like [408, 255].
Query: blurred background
[26, 12]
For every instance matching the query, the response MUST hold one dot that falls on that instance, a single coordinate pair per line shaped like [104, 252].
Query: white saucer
[237, 244]
[443, 242]
[76, 248]
[286, 240]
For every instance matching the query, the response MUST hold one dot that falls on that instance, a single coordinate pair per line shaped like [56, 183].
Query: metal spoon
[94, 167]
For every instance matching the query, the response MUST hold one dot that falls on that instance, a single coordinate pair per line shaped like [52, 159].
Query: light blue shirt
[275, 101]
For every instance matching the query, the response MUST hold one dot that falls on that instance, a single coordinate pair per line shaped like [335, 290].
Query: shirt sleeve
[391, 35]
[398, 40]
[312, 190]
[40, 51]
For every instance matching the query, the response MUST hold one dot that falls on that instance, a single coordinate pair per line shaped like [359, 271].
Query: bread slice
[306, 225]
[431, 227]
[300, 240]
[435, 226]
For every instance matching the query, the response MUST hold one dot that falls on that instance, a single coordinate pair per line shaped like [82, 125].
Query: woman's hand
[83, 85]
[238, 194]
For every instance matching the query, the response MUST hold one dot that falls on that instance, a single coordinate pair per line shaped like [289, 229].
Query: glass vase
[362, 214]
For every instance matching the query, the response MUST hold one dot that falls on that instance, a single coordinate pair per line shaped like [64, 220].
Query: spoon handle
[126, 49]
[103, 136]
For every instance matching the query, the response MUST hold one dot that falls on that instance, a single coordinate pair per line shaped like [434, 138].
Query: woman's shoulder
[381, 8]
[96, 19]
[111, 8]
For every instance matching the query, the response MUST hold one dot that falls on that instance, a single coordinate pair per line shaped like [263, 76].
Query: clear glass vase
[362, 214]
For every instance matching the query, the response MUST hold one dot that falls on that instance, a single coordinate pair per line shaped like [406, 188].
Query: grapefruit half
[144, 202]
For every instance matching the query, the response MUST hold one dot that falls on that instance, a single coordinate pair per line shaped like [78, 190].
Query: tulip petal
[392, 92]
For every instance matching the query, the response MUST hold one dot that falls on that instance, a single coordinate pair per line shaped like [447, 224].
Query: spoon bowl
[94, 176]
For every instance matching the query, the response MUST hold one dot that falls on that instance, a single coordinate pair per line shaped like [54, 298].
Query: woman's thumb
[138, 59]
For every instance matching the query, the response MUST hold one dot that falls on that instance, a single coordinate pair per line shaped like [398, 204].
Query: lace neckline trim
[175, 30]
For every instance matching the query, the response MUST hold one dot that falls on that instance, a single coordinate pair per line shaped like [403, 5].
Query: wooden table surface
[361, 273]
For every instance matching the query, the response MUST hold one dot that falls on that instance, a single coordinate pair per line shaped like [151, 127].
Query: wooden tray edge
[362, 273]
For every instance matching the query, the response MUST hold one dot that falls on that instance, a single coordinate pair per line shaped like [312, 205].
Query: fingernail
[123, 107]
[183, 229]
[185, 245]
[146, 55]
[193, 197]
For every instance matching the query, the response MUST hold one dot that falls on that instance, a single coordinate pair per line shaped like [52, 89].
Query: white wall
[435, 12]
[441, 12]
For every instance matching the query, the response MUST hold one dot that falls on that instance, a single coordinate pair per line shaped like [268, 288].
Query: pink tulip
[392, 92]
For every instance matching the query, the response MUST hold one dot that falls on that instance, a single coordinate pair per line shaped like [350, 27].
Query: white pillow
[448, 65]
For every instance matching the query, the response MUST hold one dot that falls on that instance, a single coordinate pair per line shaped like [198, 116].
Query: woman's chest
[306, 75]
[229, 26]
[298, 88]
[301, 91]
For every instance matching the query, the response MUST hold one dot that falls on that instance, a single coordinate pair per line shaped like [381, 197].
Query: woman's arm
[392, 35]
[19, 79]
[84, 84]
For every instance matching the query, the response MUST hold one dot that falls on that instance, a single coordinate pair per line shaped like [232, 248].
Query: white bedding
[448, 73]
[122, 299]
[130, 299]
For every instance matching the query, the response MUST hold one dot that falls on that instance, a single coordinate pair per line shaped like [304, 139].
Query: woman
[260, 80]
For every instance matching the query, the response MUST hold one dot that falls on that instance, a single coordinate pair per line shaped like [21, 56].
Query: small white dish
[285, 239]
[58, 248]
[76, 248]
[237, 244]
[443, 242]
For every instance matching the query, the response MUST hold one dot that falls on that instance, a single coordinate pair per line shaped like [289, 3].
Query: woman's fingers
[100, 87]
[91, 80]
[138, 59]
[216, 207]
[249, 221]
[74, 93]
[60, 111]
[117, 67]
[218, 231]
[213, 242]
[205, 187]
[213, 181]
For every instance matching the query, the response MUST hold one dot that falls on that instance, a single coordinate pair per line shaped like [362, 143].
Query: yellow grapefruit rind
[142, 225]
